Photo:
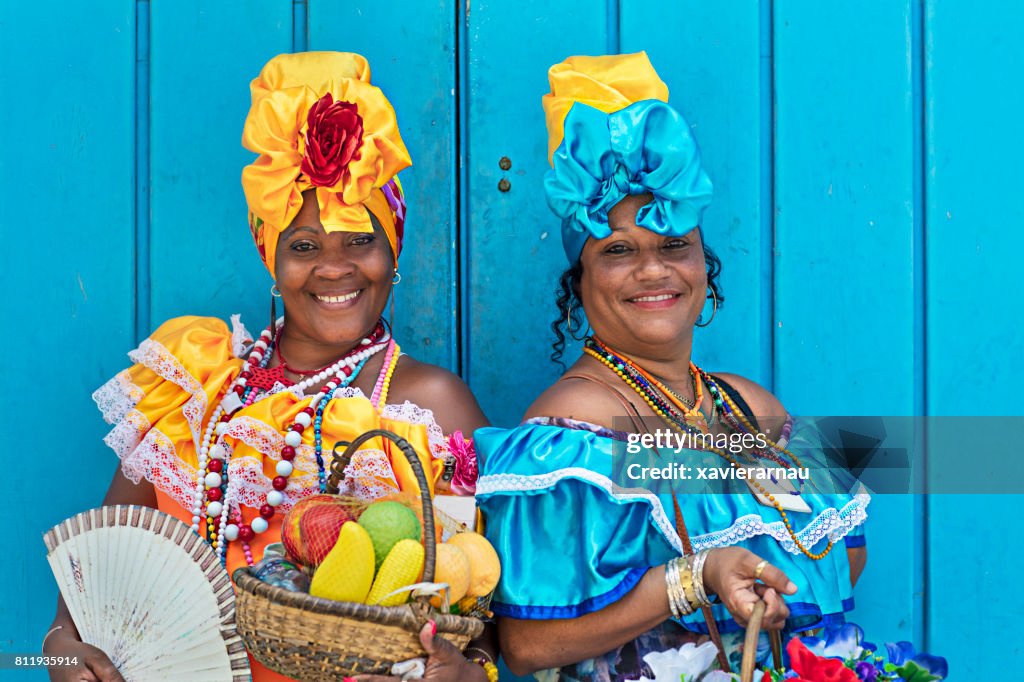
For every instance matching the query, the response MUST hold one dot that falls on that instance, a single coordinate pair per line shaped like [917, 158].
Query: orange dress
[159, 409]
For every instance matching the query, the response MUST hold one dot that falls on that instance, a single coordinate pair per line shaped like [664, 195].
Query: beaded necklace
[212, 486]
[622, 365]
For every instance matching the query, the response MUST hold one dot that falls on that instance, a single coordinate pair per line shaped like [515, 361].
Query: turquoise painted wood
[67, 226]
[975, 348]
[845, 292]
[865, 212]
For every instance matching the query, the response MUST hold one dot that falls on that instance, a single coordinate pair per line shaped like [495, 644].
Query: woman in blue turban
[592, 557]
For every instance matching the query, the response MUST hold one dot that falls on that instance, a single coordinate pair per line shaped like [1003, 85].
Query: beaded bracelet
[490, 669]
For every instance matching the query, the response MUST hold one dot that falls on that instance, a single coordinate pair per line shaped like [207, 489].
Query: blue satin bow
[645, 148]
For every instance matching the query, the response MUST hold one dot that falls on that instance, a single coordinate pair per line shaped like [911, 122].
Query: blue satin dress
[569, 545]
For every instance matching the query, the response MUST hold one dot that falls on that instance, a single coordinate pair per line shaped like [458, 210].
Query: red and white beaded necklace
[211, 458]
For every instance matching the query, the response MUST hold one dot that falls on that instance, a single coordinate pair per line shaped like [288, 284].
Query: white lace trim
[155, 356]
[146, 453]
[507, 483]
[414, 414]
[240, 337]
[249, 470]
[834, 524]
[116, 397]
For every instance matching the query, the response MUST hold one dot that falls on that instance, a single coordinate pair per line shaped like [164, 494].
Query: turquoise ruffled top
[569, 545]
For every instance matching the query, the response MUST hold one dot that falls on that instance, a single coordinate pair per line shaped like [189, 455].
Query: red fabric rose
[334, 133]
[813, 668]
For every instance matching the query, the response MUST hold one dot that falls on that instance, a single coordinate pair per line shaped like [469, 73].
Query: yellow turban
[316, 122]
[608, 83]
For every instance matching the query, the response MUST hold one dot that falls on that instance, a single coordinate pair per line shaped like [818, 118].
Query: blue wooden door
[866, 212]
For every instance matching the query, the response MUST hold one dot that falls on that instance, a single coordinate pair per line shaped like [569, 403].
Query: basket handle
[341, 460]
[750, 644]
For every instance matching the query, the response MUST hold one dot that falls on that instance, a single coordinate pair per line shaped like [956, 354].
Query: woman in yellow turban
[226, 430]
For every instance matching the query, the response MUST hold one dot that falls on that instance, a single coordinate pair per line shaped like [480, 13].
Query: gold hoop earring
[714, 310]
[274, 291]
[397, 278]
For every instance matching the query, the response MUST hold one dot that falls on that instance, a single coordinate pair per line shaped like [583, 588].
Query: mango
[346, 573]
[402, 566]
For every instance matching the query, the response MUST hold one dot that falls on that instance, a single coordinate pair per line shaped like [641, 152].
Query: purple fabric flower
[866, 672]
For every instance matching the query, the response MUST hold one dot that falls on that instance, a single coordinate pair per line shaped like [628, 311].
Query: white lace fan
[150, 593]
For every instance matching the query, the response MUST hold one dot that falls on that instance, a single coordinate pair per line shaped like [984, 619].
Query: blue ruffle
[645, 148]
[569, 546]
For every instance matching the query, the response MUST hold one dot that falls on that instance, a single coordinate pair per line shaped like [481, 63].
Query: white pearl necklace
[216, 429]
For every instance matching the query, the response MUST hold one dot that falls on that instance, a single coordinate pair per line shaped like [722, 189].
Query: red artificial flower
[813, 668]
[334, 133]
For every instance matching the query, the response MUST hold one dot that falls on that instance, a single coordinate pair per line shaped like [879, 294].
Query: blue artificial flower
[903, 652]
[844, 642]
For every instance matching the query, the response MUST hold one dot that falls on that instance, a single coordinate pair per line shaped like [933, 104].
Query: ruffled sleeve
[158, 404]
[571, 542]
[567, 545]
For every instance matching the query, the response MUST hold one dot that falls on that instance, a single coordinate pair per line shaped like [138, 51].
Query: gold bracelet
[686, 580]
[677, 600]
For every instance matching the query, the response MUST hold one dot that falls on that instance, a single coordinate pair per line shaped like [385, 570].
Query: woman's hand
[446, 663]
[93, 665]
[730, 573]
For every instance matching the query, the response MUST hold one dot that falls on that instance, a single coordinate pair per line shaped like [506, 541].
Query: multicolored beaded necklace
[214, 492]
[669, 408]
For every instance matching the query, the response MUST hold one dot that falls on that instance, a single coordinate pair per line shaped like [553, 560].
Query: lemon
[484, 566]
[387, 523]
[452, 567]
[402, 567]
[346, 573]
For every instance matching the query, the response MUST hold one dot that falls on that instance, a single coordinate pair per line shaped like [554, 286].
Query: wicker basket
[310, 638]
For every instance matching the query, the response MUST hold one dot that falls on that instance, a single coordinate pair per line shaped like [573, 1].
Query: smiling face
[642, 292]
[334, 285]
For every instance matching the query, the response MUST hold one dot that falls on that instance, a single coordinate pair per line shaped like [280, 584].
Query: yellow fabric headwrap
[608, 83]
[277, 127]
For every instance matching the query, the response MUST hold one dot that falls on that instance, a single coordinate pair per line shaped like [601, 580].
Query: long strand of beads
[220, 416]
[385, 385]
[318, 422]
[293, 439]
[732, 461]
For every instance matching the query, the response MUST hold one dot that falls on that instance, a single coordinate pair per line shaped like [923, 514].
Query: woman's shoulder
[435, 388]
[764, 406]
[578, 397]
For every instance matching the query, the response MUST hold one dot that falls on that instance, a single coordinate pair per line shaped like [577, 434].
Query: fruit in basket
[388, 523]
[310, 529]
[346, 573]
[415, 503]
[484, 566]
[451, 566]
[402, 566]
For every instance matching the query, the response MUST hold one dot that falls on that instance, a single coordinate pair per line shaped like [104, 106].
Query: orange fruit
[452, 567]
[484, 566]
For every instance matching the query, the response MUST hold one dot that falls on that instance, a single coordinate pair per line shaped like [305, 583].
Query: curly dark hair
[570, 305]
